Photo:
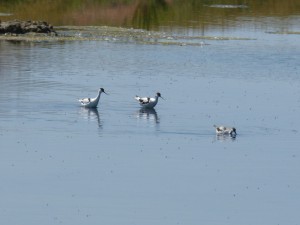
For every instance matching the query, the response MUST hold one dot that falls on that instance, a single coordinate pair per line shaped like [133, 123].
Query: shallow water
[63, 164]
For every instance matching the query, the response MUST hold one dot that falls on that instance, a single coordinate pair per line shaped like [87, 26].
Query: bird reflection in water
[148, 114]
[223, 138]
[91, 114]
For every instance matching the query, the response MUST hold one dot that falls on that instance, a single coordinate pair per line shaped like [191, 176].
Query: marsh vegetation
[148, 14]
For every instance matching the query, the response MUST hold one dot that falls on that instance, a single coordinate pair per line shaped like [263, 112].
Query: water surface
[63, 164]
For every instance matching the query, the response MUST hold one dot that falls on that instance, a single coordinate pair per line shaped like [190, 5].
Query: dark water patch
[284, 32]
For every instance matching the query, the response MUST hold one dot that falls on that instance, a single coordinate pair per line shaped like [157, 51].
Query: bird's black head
[159, 95]
[102, 90]
[233, 131]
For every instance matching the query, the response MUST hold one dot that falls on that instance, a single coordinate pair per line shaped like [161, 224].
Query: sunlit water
[63, 164]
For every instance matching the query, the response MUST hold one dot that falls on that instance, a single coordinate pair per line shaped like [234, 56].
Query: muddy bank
[23, 27]
[115, 34]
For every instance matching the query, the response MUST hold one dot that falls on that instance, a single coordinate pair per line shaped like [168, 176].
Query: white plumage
[222, 130]
[91, 102]
[147, 102]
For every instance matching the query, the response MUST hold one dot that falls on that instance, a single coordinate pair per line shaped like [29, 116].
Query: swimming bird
[222, 130]
[91, 102]
[147, 102]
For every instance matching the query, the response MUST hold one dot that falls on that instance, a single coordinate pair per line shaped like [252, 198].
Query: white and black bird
[91, 102]
[222, 130]
[147, 102]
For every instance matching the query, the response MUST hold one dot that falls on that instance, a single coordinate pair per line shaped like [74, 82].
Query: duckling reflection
[91, 114]
[223, 138]
[148, 114]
